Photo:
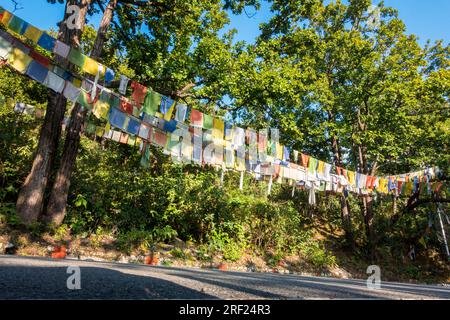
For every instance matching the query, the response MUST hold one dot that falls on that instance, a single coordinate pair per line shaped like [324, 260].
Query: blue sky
[429, 19]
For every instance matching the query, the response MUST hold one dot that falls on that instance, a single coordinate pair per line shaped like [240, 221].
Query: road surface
[42, 278]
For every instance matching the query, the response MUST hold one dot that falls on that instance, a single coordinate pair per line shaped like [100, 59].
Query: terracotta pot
[154, 261]
[58, 255]
[223, 267]
[148, 260]
[63, 249]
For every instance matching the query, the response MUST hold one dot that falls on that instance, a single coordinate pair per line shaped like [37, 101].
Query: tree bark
[56, 208]
[30, 201]
[345, 206]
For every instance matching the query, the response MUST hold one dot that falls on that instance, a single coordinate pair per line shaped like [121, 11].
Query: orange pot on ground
[59, 252]
[58, 255]
[154, 261]
[223, 267]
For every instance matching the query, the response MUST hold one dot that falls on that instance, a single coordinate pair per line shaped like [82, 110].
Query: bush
[315, 253]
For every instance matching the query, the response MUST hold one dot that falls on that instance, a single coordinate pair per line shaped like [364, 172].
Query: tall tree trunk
[367, 202]
[30, 201]
[56, 208]
[345, 206]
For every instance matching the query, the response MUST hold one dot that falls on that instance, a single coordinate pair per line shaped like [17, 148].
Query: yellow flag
[218, 129]
[32, 33]
[6, 17]
[169, 112]
[90, 66]
[19, 60]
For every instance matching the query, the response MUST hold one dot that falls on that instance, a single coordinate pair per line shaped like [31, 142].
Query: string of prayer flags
[139, 123]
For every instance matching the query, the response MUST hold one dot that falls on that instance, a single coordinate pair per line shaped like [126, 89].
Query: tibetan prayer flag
[238, 136]
[139, 93]
[66, 75]
[312, 166]
[5, 45]
[169, 112]
[47, 42]
[144, 132]
[228, 131]
[181, 112]
[152, 102]
[101, 109]
[76, 57]
[32, 33]
[170, 126]
[208, 122]
[218, 129]
[136, 112]
[99, 132]
[278, 151]
[304, 160]
[117, 118]
[109, 76]
[196, 118]
[90, 66]
[114, 101]
[40, 58]
[85, 100]
[160, 138]
[54, 82]
[126, 106]
[37, 71]
[71, 92]
[61, 49]
[123, 138]
[166, 105]
[351, 177]
[16, 24]
[131, 141]
[286, 154]
[133, 126]
[321, 168]
[6, 17]
[19, 60]
[116, 135]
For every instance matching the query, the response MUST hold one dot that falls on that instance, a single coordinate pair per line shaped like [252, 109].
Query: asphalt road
[41, 278]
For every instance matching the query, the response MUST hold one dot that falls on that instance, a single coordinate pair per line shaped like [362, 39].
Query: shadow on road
[19, 282]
